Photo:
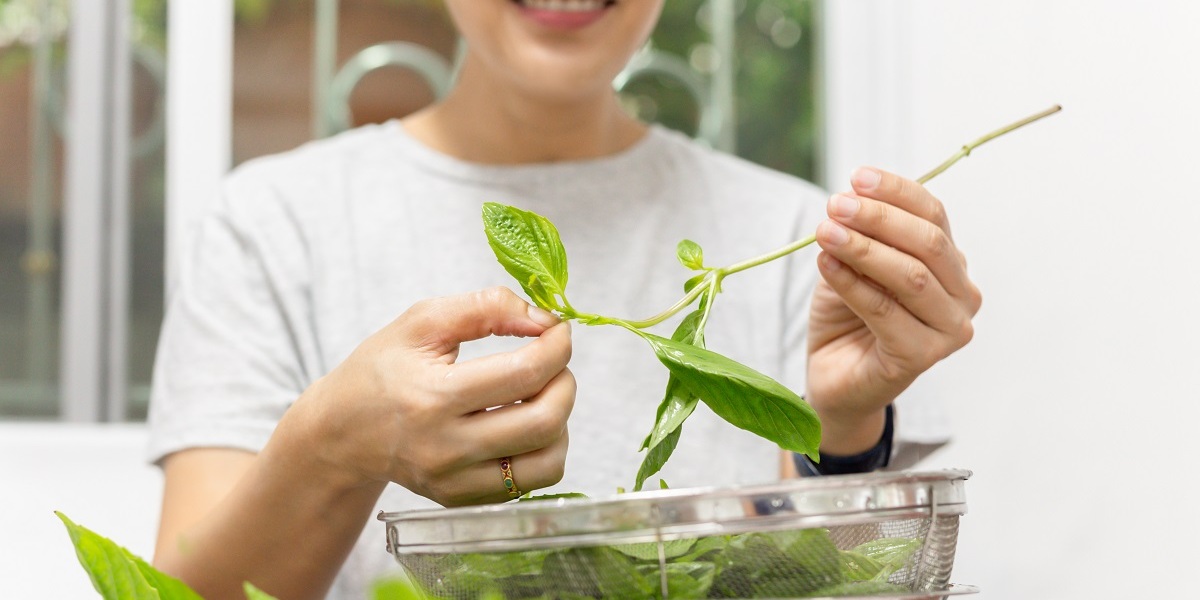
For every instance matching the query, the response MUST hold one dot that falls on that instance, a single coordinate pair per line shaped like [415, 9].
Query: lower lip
[561, 19]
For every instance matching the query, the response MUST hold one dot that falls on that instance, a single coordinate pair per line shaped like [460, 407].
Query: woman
[291, 401]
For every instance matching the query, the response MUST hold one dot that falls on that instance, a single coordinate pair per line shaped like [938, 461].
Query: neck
[491, 123]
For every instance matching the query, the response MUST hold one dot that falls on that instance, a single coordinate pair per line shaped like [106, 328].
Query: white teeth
[565, 5]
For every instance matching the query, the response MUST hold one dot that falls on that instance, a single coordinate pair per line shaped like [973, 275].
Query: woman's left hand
[894, 300]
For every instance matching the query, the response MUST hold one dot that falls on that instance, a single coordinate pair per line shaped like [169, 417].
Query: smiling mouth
[566, 5]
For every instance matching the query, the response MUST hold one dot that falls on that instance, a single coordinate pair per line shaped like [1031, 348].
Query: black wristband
[872, 460]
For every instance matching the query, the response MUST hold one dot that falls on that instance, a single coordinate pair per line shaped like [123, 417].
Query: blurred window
[738, 74]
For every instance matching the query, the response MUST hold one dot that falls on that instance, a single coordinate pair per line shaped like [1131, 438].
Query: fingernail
[831, 263]
[833, 233]
[542, 317]
[843, 206]
[866, 178]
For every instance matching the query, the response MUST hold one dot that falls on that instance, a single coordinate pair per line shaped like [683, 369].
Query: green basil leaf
[688, 330]
[656, 457]
[693, 282]
[857, 567]
[677, 403]
[597, 572]
[648, 551]
[117, 573]
[890, 553]
[814, 554]
[528, 247]
[674, 409]
[690, 254]
[777, 565]
[684, 580]
[507, 564]
[704, 549]
[742, 396]
[676, 406]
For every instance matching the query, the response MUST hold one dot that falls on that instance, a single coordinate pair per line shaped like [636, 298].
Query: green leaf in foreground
[394, 588]
[253, 593]
[528, 247]
[742, 396]
[117, 573]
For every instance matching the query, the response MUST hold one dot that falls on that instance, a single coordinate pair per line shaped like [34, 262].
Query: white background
[1075, 405]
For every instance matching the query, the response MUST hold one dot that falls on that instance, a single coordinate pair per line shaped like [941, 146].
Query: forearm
[286, 526]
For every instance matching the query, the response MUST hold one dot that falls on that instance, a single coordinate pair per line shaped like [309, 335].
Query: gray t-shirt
[311, 251]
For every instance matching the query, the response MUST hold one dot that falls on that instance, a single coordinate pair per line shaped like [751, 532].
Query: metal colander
[877, 535]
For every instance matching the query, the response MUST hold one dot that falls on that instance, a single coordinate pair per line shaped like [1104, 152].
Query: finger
[440, 324]
[483, 482]
[507, 377]
[522, 427]
[905, 194]
[904, 280]
[909, 234]
[896, 329]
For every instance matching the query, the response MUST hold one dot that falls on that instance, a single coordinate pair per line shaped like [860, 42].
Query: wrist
[309, 442]
[850, 432]
[872, 459]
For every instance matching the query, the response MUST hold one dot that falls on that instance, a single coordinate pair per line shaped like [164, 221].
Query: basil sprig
[529, 247]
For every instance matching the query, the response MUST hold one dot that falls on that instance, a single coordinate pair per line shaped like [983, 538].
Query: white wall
[95, 474]
[1076, 403]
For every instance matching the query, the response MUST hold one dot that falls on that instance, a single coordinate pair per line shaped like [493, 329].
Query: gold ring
[509, 485]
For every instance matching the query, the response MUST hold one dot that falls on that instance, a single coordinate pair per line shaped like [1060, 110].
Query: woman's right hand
[400, 408]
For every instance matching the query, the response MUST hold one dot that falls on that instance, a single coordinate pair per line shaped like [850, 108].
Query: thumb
[441, 324]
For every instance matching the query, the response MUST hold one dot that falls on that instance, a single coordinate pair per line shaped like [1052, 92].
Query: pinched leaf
[742, 396]
[528, 247]
[117, 573]
[690, 254]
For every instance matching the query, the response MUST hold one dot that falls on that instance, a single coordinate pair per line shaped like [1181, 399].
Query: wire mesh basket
[890, 535]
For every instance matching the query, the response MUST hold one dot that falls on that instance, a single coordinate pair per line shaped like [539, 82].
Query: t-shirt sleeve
[237, 346]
